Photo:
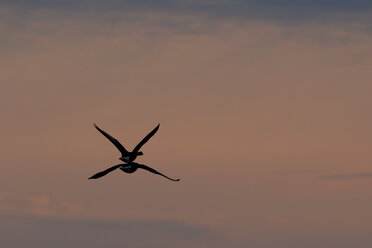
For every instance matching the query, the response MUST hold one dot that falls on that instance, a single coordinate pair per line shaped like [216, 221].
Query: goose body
[128, 168]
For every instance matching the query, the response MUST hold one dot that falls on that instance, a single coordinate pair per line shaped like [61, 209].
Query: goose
[126, 156]
[129, 168]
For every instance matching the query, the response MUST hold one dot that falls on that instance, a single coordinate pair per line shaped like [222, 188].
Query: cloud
[202, 5]
[47, 19]
[22, 231]
[267, 9]
[365, 175]
[41, 221]
[37, 205]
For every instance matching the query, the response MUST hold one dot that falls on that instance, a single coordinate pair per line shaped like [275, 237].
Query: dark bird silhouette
[126, 156]
[129, 168]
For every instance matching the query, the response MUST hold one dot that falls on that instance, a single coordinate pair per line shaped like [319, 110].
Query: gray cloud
[287, 9]
[366, 175]
[31, 231]
[180, 16]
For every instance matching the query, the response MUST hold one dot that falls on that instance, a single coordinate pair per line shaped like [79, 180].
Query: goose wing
[120, 147]
[138, 147]
[103, 173]
[142, 166]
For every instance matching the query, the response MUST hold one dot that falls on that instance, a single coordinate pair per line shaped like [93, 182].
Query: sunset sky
[264, 110]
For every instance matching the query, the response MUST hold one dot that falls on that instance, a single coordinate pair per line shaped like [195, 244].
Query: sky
[264, 112]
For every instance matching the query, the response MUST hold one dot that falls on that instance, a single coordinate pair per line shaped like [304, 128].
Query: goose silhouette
[126, 156]
[129, 157]
[129, 168]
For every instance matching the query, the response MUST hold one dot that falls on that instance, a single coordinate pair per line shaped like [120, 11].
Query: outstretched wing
[136, 149]
[103, 173]
[121, 148]
[154, 171]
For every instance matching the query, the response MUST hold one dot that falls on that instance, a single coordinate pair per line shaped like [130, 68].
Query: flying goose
[126, 156]
[129, 168]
